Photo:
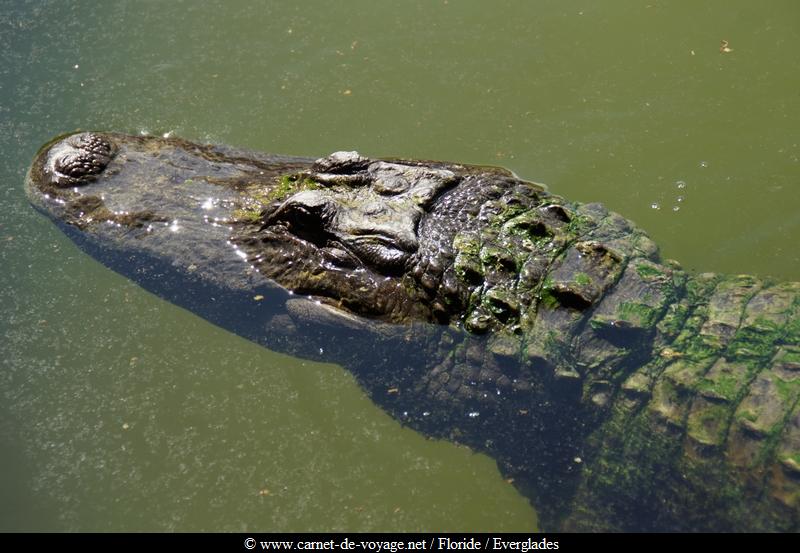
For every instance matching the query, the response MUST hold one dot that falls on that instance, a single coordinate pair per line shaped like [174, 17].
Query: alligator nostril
[85, 157]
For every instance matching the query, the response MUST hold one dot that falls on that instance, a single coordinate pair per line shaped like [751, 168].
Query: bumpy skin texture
[618, 391]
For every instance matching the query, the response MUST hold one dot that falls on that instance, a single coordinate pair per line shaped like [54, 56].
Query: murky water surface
[119, 411]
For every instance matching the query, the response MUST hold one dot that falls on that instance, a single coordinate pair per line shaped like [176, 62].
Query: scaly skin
[618, 391]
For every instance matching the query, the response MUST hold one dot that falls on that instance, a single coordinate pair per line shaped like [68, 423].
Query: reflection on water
[120, 411]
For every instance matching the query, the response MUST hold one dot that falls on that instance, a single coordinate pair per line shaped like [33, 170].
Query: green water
[119, 411]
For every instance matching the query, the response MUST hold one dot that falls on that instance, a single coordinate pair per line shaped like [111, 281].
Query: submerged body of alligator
[618, 391]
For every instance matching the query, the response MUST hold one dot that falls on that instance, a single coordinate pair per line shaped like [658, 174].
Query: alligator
[617, 391]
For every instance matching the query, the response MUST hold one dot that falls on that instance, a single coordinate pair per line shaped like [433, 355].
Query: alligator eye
[309, 222]
[303, 216]
[306, 209]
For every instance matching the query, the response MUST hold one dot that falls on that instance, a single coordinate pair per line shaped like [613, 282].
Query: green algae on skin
[582, 279]
[291, 184]
[648, 271]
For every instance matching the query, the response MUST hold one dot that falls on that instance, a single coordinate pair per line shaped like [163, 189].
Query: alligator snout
[77, 159]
